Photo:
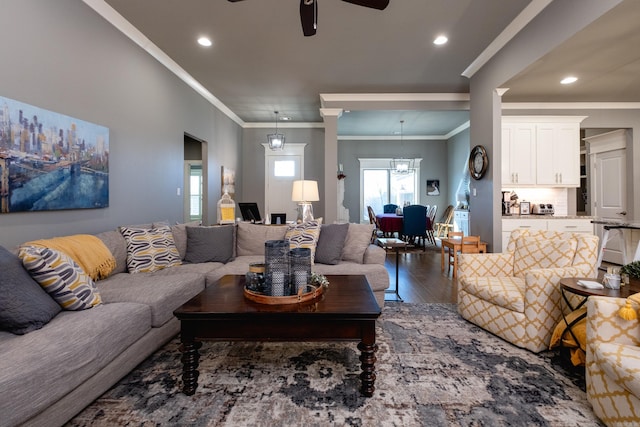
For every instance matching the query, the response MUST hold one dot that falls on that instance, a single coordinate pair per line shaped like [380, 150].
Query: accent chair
[613, 362]
[516, 294]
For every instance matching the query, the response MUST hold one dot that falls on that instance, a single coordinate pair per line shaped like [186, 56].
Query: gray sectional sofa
[50, 374]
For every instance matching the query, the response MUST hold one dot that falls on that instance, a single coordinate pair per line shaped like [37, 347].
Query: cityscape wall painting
[49, 161]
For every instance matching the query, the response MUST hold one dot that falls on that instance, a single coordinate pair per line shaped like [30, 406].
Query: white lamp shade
[305, 191]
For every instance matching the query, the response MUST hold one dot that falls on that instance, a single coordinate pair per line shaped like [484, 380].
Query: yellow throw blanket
[88, 251]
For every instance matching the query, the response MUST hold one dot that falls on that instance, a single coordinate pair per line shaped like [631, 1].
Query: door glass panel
[195, 192]
[376, 190]
[403, 188]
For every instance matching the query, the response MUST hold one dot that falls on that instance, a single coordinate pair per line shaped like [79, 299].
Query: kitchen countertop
[548, 217]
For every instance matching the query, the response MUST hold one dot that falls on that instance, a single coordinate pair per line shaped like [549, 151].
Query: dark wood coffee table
[346, 311]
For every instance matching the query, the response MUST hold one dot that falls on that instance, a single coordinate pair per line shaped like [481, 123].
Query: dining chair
[431, 214]
[414, 224]
[389, 208]
[450, 253]
[444, 226]
[377, 232]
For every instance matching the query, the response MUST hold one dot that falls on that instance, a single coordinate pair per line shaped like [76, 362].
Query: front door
[281, 169]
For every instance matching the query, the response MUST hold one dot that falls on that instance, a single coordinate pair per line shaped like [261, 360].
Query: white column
[330, 117]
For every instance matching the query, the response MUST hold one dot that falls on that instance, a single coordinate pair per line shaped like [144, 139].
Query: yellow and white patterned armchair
[613, 362]
[516, 294]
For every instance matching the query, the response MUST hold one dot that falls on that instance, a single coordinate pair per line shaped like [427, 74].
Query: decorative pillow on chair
[210, 244]
[24, 305]
[150, 249]
[533, 254]
[304, 235]
[60, 277]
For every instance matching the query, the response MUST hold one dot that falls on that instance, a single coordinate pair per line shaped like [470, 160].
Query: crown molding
[571, 105]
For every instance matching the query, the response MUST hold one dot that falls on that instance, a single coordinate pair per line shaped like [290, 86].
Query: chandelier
[276, 140]
[401, 165]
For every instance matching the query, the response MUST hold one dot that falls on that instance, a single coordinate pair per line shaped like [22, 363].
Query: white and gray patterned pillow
[150, 249]
[304, 235]
[61, 277]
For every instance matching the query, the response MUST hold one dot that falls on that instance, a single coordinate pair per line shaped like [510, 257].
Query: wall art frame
[50, 161]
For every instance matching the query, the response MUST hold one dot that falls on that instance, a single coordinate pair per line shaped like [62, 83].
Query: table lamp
[304, 192]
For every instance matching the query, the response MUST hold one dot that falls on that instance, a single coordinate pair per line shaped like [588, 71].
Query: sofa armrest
[605, 326]
[374, 255]
[485, 265]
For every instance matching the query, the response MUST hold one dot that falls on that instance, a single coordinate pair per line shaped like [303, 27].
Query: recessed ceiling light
[568, 80]
[285, 118]
[440, 40]
[204, 41]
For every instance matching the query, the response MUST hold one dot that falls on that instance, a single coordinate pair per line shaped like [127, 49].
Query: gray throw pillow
[24, 305]
[331, 243]
[209, 244]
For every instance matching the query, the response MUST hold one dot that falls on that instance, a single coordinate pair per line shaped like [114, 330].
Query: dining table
[391, 223]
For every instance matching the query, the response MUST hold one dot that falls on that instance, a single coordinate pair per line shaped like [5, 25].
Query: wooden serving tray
[314, 293]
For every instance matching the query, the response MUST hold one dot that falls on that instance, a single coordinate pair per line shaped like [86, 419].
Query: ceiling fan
[309, 12]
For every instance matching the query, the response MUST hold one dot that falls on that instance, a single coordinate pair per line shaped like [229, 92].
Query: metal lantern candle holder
[277, 267]
[299, 268]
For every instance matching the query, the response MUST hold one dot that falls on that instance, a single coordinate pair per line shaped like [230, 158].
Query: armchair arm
[485, 265]
[605, 326]
[542, 301]
[374, 254]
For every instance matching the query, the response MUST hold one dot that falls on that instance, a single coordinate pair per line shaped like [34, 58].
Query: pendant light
[401, 165]
[276, 140]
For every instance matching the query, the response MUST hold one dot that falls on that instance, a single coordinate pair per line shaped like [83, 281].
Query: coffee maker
[506, 203]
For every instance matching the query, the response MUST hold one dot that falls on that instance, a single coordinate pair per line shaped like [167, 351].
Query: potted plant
[630, 273]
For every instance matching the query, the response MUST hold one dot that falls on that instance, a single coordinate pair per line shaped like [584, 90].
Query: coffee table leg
[368, 360]
[190, 360]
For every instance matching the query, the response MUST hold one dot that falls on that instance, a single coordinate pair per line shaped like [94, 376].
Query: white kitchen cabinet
[571, 225]
[541, 151]
[461, 221]
[518, 148]
[558, 154]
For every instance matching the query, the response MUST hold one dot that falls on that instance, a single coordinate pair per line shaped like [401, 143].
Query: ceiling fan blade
[374, 4]
[234, 1]
[309, 16]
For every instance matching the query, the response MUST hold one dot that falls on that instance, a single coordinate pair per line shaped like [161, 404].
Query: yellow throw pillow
[579, 330]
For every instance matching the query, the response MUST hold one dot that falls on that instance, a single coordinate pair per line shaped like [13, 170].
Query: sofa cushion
[60, 277]
[356, 243]
[179, 232]
[209, 244]
[303, 235]
[150, 249]
[534, 254]
[331, 243]
[161, 291]
[621, 363]
[507, 292]
[251, 237]
[24, 305]
[39, 368]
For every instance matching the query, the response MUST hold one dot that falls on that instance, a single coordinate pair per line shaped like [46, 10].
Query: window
[195, 192]
[284, 168]
[381, 185]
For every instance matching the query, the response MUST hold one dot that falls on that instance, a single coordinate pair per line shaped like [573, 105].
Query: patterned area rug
[433, 369]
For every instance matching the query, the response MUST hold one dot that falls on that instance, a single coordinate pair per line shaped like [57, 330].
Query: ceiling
[260, 61]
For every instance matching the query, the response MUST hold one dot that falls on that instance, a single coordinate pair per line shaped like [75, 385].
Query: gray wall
[458, 155]
[253, 159]
[433, 166]
[64, 57]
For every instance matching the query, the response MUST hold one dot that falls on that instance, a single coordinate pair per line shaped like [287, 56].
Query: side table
[393, 244]
[569, 285]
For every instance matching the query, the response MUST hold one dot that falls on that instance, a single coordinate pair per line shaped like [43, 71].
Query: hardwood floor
[421, 280]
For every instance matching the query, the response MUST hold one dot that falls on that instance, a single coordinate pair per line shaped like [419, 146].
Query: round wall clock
[478, 162]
